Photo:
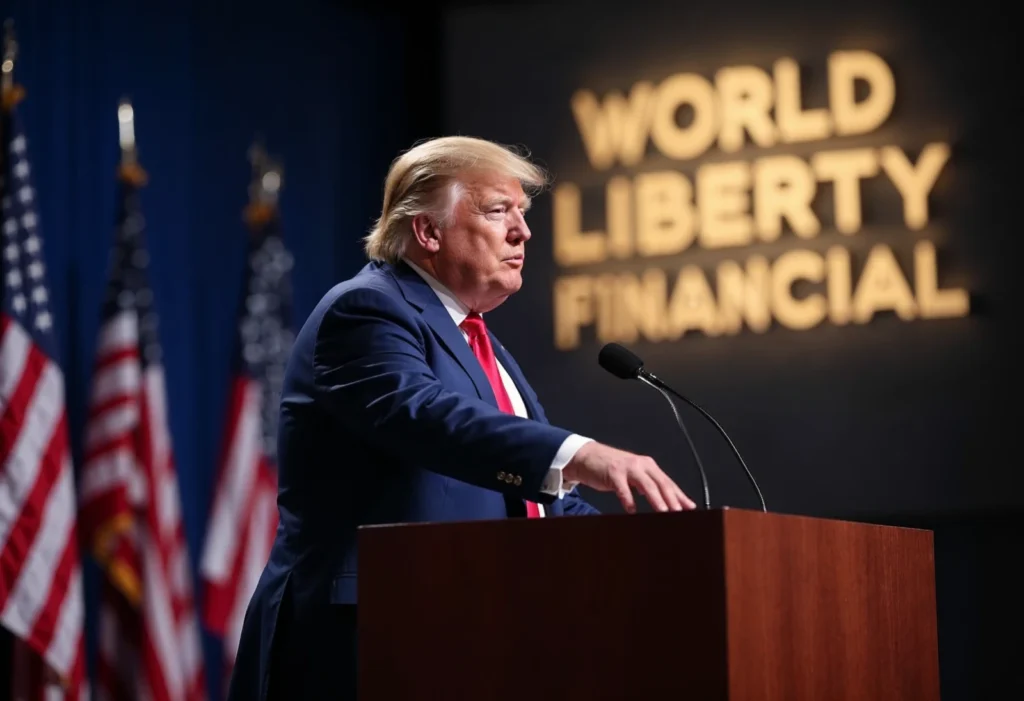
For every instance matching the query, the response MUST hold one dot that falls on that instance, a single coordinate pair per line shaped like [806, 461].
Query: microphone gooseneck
[654, 381]
[627, 365]
[689, 441]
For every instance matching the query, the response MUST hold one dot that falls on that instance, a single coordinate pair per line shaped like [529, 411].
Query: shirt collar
[456, 309]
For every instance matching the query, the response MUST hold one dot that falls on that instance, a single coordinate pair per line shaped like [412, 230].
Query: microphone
[626, 365]
[622, 363]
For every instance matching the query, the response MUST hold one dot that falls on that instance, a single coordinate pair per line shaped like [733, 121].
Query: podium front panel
[595, 607]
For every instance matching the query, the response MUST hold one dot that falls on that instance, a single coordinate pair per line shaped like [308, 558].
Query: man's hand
[608, 469]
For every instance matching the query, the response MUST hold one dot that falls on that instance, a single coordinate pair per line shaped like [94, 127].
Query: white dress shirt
[553, 482]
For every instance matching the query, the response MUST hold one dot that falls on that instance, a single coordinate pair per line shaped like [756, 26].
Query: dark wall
[889, 416]
[901, 422]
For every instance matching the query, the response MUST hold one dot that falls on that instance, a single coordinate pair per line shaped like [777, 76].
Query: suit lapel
[418, 293]
[517, 376]
[555, 508]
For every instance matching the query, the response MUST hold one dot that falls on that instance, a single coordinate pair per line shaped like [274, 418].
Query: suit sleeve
[575, 505]
[370, 369]
[572, 503]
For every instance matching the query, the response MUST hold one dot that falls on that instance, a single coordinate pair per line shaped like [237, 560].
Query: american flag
[244, 516]
[40, 575]
[149, 643]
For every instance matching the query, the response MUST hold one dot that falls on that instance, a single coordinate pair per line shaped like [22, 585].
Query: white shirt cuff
[553, 483]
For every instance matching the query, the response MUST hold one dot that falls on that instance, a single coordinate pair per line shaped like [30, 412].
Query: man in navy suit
[399, 406]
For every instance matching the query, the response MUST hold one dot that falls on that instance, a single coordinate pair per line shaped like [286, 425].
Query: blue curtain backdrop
[324, 86]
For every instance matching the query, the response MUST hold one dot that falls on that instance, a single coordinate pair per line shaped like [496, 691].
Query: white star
[257, 285]
[257, 304]
[29, 220]
[11, 252]
[253, 353]
[250, 329]
[11, 227]
[21, 169]
[39, 295]
[32, 244]
[14, 279]
[35, 270]
[19, 303]
[43, 321]
[25, 194]
[273, 343]
[18, 144]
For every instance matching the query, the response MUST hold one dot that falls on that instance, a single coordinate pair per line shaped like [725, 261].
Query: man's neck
[422, 265]
[450, 299]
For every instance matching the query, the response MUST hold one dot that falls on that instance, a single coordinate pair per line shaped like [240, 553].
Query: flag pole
[129, 170]
[37, 663]
[264, 188]
[12, 93]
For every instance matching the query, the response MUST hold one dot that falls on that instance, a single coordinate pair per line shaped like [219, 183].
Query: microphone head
[620, 362]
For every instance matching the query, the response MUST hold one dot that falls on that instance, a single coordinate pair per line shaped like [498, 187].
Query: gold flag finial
[10, 53]
[12, 94]
[265, 186]
[129, 169]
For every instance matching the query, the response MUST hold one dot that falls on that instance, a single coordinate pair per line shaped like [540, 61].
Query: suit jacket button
[501, 475]
[509, 478]
[517, 481]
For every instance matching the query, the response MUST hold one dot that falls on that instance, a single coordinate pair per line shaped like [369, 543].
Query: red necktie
[480, 343]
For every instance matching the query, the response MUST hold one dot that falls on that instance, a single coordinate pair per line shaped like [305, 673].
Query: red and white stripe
[149, 645]
[243, 521]
[40, 576]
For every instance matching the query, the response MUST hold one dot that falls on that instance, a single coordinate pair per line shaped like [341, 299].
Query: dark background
[890, 422]
[888, 417]
[893, 422]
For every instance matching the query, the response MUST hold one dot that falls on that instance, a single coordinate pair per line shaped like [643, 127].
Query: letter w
[619, 127]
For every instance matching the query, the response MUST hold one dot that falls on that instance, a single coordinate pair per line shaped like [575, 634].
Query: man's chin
[503, 288]
[513, 282]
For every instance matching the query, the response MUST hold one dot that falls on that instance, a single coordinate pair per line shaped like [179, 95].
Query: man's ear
[426, 233]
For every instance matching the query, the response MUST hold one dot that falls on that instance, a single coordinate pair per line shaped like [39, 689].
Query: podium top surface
[679, 519]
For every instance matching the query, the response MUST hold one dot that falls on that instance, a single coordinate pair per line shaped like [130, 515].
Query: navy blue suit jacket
[386, 417]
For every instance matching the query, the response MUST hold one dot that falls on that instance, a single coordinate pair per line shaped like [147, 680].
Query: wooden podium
[720, 604]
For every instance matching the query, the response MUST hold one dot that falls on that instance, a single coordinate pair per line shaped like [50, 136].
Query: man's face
[482, 249]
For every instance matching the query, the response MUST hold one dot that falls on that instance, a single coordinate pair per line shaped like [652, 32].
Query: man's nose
[520, 231]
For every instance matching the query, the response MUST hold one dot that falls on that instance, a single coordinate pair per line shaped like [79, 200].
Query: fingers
[624, 493]
[686, 501]
[608, 469]
[659, 489]
[677, 499]
[647, 486]
[668, 490]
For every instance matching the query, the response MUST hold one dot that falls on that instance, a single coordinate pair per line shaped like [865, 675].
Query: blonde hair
[427, 179]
